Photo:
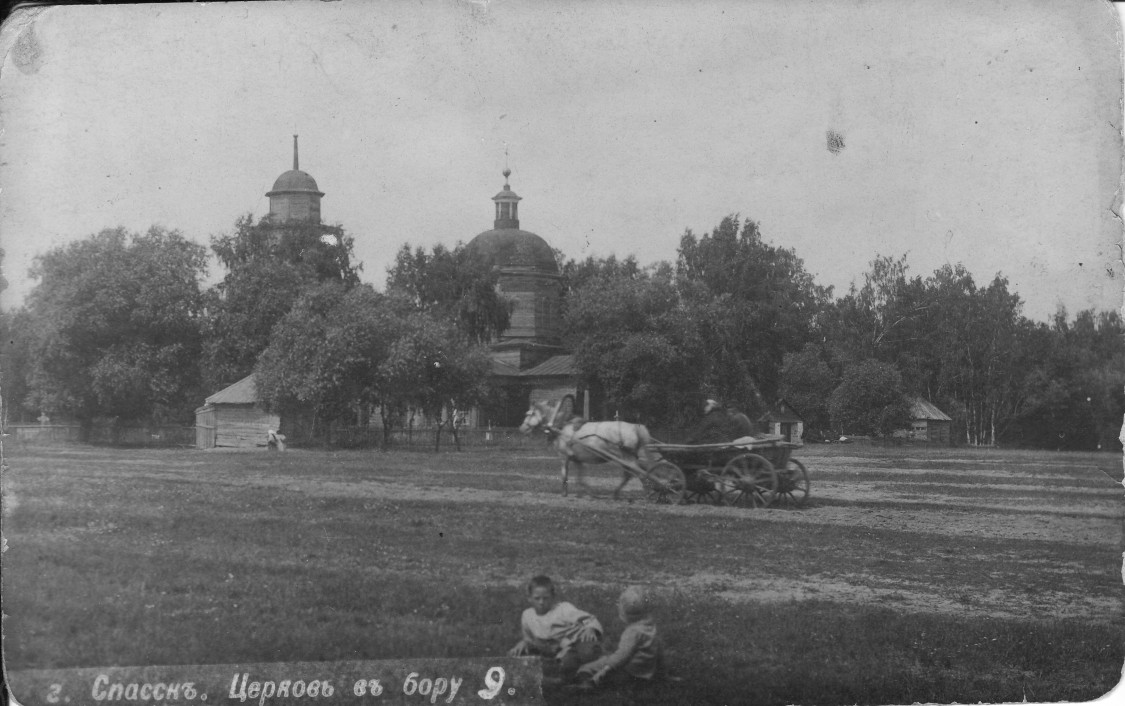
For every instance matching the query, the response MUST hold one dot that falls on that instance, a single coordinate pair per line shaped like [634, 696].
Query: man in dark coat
[714, 428]
[740, 424]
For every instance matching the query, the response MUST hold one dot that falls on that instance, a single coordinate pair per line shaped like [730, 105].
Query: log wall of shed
[243, 425]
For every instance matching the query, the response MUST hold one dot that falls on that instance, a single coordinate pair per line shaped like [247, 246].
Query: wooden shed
[233, 417]
[784, 421]
[928, 423]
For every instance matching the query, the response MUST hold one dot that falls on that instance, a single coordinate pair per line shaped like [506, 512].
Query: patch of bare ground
[1098, 525]
[1097, 522]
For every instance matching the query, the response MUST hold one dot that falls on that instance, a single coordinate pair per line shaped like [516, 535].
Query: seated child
[553, 628]
[639, 654]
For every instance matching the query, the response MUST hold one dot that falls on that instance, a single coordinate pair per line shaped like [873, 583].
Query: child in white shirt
[556, 630]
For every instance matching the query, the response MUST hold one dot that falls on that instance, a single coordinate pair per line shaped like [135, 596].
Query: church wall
[522, 321]
[535, 311]
[302, 207]
[553, 391]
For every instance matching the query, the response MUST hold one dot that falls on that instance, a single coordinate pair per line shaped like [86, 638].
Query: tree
[268, 266]
[885, 312]
[575, 274]
[954, 343]
[340, 352]
[1072, 387]
[458, 285]
[807, 383]
[759, 301]
[3, 280]
[432, 366]
[17, 332]
[974, 346]
[325, 353]
[15, 358]
[637, 345]
[870, 399]
[242, 312]
[116, 326]
[318, 251]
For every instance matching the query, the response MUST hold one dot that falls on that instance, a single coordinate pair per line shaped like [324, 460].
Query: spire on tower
[295, 167]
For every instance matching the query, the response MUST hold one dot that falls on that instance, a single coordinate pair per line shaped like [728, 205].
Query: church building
[234, 416]
[529, 362]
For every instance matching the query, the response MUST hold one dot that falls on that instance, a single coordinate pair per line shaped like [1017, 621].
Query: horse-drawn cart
[756, 472]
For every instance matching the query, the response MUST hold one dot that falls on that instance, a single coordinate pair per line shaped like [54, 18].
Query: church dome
[511, 247]
[295, 180]
[506, 246]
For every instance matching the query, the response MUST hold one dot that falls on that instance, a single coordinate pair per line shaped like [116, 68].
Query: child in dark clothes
[639, 654]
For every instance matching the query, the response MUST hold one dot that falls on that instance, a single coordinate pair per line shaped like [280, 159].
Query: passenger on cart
[714, 428]
[740, 425]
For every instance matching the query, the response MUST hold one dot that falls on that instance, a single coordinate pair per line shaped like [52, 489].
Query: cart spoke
[751, 481]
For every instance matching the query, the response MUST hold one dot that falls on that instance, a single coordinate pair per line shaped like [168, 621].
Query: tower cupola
[507, 206]
[295, 196]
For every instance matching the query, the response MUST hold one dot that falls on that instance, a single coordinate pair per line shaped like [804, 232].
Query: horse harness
[553, 432]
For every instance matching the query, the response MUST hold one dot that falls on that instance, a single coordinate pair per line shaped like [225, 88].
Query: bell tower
[295, 196]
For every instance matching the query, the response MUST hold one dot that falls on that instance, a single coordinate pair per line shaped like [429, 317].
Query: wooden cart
[756, 472]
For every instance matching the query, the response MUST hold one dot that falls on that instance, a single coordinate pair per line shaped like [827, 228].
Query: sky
[986, 134]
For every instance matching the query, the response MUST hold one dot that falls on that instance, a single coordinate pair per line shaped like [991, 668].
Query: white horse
[581, 442]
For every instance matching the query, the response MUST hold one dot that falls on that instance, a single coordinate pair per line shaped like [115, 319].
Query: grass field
[911, 576]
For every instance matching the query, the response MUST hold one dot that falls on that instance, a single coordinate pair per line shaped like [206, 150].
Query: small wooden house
[233, 417]
[784, 421]
[929, 424]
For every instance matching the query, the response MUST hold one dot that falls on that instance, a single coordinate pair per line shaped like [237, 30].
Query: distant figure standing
[714, 428]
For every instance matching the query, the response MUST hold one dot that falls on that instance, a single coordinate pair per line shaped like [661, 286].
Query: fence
[43, 433]
[422, 438]
[114, 435]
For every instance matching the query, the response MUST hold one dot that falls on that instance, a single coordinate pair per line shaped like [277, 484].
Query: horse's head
[539, 416]
[533, 419]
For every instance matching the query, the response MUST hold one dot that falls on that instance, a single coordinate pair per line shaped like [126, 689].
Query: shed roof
[781, 412]
[922, 409]
[241, 392]
[501, 368]
[775, 415]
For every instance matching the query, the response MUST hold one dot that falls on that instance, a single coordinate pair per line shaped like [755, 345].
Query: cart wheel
[703, 487]
[665, 483]
[749, 481]
[793, 484]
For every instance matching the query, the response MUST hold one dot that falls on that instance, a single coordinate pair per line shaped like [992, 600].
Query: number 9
[494, 680]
